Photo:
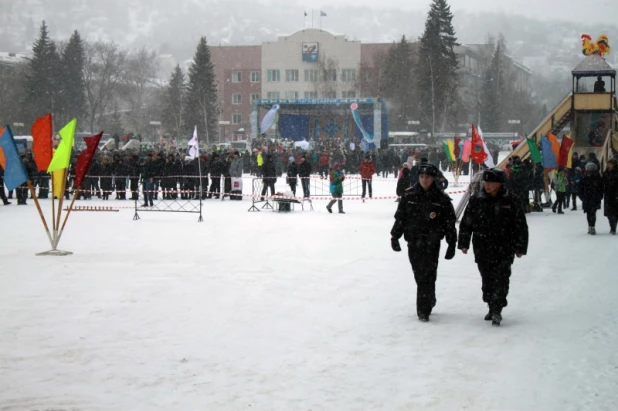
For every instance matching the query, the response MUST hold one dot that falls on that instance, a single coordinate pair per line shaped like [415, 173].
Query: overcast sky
[589, 11]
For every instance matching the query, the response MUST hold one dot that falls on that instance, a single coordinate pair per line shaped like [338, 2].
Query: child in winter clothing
[336, 188]
[560, 183]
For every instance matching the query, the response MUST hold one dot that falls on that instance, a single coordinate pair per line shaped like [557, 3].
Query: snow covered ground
[299, 311]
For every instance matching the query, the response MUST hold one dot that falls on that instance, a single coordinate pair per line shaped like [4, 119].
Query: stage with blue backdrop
[365, 119]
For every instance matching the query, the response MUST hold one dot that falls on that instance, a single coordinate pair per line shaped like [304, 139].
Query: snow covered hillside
[299, 311]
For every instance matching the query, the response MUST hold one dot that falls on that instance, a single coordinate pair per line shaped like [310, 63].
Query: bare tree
[104, 72]
[326, 81]
[139, 85]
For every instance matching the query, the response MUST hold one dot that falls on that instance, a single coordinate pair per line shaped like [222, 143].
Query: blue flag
[549, 158]
[14, 172]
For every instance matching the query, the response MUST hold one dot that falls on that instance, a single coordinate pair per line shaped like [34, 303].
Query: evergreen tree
[174, 98]
[494, 93]
[398, 86]
[41, 84]
[72, 79]
[437, 65]
[200, 107]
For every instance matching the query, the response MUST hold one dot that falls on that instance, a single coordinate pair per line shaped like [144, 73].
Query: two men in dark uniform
[494, 220]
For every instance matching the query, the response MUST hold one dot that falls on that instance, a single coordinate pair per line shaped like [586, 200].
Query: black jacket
[404, 182]
[292, 173]
[591, 192]
[304, 169]
[497, 226]
[269, 171]
[610, 188]
[425, 217]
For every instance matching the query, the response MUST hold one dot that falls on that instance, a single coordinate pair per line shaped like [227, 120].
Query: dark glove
[450, 252]
[395, 245]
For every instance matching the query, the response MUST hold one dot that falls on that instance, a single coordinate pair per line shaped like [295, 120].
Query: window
[311, 94]
[236, 98]
[255, 77]
[291, 95]
[330, 94]
[273, 75]
[236, 77]
[236, 118]
[272, 95]
[255, 97]
[291, 75]
[311, 75]
[348, 94]
[348, 75]
[330, 75]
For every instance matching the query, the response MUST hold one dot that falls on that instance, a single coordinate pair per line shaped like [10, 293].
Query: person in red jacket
[367, 170]
[324, 163]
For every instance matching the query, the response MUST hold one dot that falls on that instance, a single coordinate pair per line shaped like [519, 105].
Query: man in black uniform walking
[496, 219]
[425, 216]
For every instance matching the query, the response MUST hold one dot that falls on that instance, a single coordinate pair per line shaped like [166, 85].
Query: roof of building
[593, 65]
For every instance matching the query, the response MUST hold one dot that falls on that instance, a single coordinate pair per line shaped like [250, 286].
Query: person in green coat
[336, 188]
[560, 183]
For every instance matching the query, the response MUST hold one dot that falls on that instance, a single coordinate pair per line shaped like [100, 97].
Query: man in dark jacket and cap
[425, 216]
[496, 223]
[269, 173]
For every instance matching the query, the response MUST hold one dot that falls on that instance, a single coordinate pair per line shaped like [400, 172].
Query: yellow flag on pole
[62, 156]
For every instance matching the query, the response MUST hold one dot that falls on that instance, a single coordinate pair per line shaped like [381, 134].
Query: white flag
[489, 161]
[194, 150]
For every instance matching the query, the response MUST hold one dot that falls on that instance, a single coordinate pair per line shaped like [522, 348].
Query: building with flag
[317, 64]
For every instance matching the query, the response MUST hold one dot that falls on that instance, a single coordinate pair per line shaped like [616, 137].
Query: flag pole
[38, 207]
[60, 201]
[66, 217]
[53, 204]
[311, 18]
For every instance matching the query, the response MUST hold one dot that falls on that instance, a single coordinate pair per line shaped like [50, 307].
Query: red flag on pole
[42, 141]
[565, 149]
[478, 151]
[457, 148]
[85, 158]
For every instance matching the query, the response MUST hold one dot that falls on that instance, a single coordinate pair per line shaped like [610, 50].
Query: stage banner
[331, 127]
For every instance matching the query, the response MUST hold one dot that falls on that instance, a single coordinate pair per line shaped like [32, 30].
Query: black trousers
[365, 184]
[574, 197]
[424, 260]
[613, 221]
[268, 183]
[22, 193]
[496, 277]
[559, 201]
[591, 216]
[134, 182]
[304, 181]
[2, 195]
[215, 187]
[121, 188]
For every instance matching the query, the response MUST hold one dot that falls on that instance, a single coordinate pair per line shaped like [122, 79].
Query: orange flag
[555, 146]
[42, 141]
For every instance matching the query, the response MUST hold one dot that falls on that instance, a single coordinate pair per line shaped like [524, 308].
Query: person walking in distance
[591, 194]
[304, 172]
[610, 186]
[336, 188]
[292, 172]
[496, 223]
[425, 215]
[367, 170]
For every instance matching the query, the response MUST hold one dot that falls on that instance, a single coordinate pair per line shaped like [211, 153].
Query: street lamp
[18, 125]
[515, 122]
[154, 125]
